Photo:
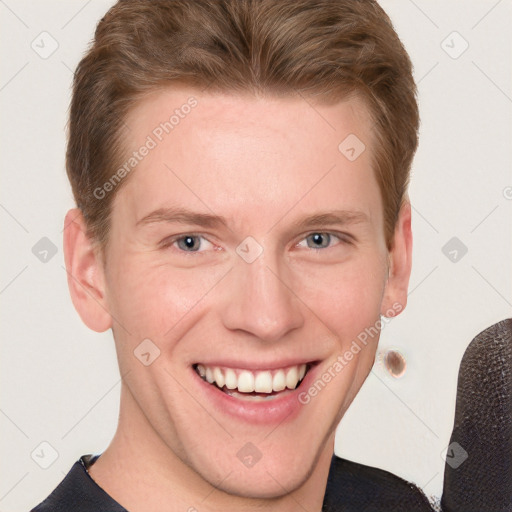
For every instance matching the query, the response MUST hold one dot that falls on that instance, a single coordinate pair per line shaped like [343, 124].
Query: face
[250, 252]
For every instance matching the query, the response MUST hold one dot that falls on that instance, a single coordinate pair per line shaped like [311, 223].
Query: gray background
[60, 383]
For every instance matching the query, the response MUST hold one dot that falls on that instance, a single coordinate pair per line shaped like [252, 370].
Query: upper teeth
[246, 381]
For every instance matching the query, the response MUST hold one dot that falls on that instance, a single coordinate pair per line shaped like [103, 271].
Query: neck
[143, 474]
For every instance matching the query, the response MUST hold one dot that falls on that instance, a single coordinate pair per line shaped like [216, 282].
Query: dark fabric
[478, 470]
[78, 492]
[351, 487]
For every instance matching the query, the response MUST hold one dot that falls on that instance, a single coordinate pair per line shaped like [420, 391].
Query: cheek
[345, 298]
[150, 298]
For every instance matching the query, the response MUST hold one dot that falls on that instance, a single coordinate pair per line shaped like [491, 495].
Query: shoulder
[79, 492]
[356, 487]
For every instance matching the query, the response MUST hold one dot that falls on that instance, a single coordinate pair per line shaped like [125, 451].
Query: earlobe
[400, 258]
[85, 274]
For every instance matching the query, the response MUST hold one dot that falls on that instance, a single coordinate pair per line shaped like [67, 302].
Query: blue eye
[191, 243]
[324, 240]
[318, 240]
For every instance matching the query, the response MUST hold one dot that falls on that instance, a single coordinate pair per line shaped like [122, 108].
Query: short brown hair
[323, 49]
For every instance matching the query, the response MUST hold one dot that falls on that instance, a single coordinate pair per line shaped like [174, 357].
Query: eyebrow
[184, 216]
[339, 217]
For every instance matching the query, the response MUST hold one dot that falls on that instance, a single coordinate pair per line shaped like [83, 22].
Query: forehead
[241, 155]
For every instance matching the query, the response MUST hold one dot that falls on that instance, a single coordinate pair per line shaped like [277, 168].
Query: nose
[259, 302]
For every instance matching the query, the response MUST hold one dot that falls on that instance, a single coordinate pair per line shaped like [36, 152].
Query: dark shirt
[351, 487]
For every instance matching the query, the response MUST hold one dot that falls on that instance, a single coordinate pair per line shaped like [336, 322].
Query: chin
[271, 481]
[263, 468]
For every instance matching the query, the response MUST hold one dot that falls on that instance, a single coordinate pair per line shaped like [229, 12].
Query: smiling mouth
[254, 385]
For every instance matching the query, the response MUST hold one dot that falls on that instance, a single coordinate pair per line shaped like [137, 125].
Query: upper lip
[257, 366]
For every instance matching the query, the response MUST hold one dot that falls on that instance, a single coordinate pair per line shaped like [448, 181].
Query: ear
[400, 263]
[86, 279]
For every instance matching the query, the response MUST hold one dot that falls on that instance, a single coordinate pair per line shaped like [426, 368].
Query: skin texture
[264, 165]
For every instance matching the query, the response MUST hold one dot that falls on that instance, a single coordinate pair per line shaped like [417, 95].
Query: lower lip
[264, 412]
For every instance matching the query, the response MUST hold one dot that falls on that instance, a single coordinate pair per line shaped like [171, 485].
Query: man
[240, 169]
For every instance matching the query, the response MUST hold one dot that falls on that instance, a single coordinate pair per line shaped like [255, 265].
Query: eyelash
[169, 242]
[342, 238]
